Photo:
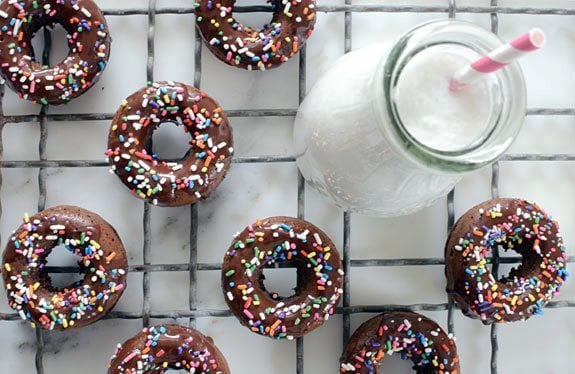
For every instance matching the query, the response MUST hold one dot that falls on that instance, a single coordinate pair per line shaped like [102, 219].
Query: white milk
[381, 134]
[342, 151]
[434, 115]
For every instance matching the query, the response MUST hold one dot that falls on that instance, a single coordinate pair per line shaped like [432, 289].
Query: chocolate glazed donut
[282, 240]
[170, 183]
[88, 42]
[29, 287]
[410, 334]
[244, 47]
[512, 224]
[158, 348]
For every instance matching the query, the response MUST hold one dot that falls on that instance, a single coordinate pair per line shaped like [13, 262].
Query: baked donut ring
[512, 224]
[251, 49]
[410, 334]
[282, 240]
[103, 262]
[170, 183]
[88, 41]
[158, 348]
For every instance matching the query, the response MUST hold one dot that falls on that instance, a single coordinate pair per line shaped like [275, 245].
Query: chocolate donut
[238, 45]
[170, 183]
[282, 240]
[512, 224]
[410, 334]
[102, 260]
[156, 349]
[88, 41]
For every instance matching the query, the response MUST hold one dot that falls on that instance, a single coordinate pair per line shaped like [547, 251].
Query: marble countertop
[541, 345]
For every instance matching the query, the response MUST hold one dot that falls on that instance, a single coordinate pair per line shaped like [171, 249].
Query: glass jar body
[346, 156]
[351, 145]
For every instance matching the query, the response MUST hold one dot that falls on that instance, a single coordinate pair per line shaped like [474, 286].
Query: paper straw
[499, 58]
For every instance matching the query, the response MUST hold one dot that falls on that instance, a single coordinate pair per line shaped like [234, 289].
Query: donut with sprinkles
[511, 224]
[282, 240]
[164, 182]
[411, 335]
[102, 259]
[88, 42]
[159, 348]
[252, 49]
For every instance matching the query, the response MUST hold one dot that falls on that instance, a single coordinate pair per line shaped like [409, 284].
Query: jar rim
[465, 159]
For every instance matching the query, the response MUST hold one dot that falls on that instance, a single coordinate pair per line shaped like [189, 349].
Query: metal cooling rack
[346, 309]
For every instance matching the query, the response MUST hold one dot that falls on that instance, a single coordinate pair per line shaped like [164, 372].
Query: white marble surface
[542, 345]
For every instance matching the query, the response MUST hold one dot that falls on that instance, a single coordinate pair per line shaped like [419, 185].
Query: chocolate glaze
[88, 41]
[526, 289]
[102, 259]
[241, 46]
[177, 347]
[157, 181]
[409, 334]
[319, 277]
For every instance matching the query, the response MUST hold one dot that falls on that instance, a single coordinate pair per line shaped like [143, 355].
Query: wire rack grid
[450, 9]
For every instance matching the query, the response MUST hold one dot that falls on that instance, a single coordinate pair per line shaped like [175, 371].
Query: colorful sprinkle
[413, 336]
[88, 43]
[510, 224]
[25, 275]
[157, 348]
[163, 182]
[252, 49]
[274, 241]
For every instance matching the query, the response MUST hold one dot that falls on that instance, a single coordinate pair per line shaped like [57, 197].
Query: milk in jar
[382, 134]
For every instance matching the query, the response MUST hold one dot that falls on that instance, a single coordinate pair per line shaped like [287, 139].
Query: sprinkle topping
[159, 348]
[243, 46]
[511, 224]
[411, 335]
[282, 240]
[29, 287]
[165, 182]
[88, 42]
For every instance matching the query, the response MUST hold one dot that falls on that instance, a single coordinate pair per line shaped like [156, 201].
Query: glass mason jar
[352, 142]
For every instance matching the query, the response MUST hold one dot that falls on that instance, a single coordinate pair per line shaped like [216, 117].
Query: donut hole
[58, 40]
[169, 141]
[176, 367]
[70, 273]
[395, 364]
[254, 20]
[528, 267]
[280, 282]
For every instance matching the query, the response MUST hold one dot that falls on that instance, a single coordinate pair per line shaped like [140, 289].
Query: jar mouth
[508, 101]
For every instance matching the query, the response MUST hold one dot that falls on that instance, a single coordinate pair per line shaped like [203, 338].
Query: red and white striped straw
[499, 58]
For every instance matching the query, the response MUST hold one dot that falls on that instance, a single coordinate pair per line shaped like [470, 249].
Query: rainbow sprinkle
[88, 41]
[158, 348]
[272, 241]
[27, 284]
[156, 180]
[411, 335]
[243, 46]
[519, 226]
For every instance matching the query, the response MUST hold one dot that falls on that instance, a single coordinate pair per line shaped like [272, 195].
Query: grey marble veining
[258, 190]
